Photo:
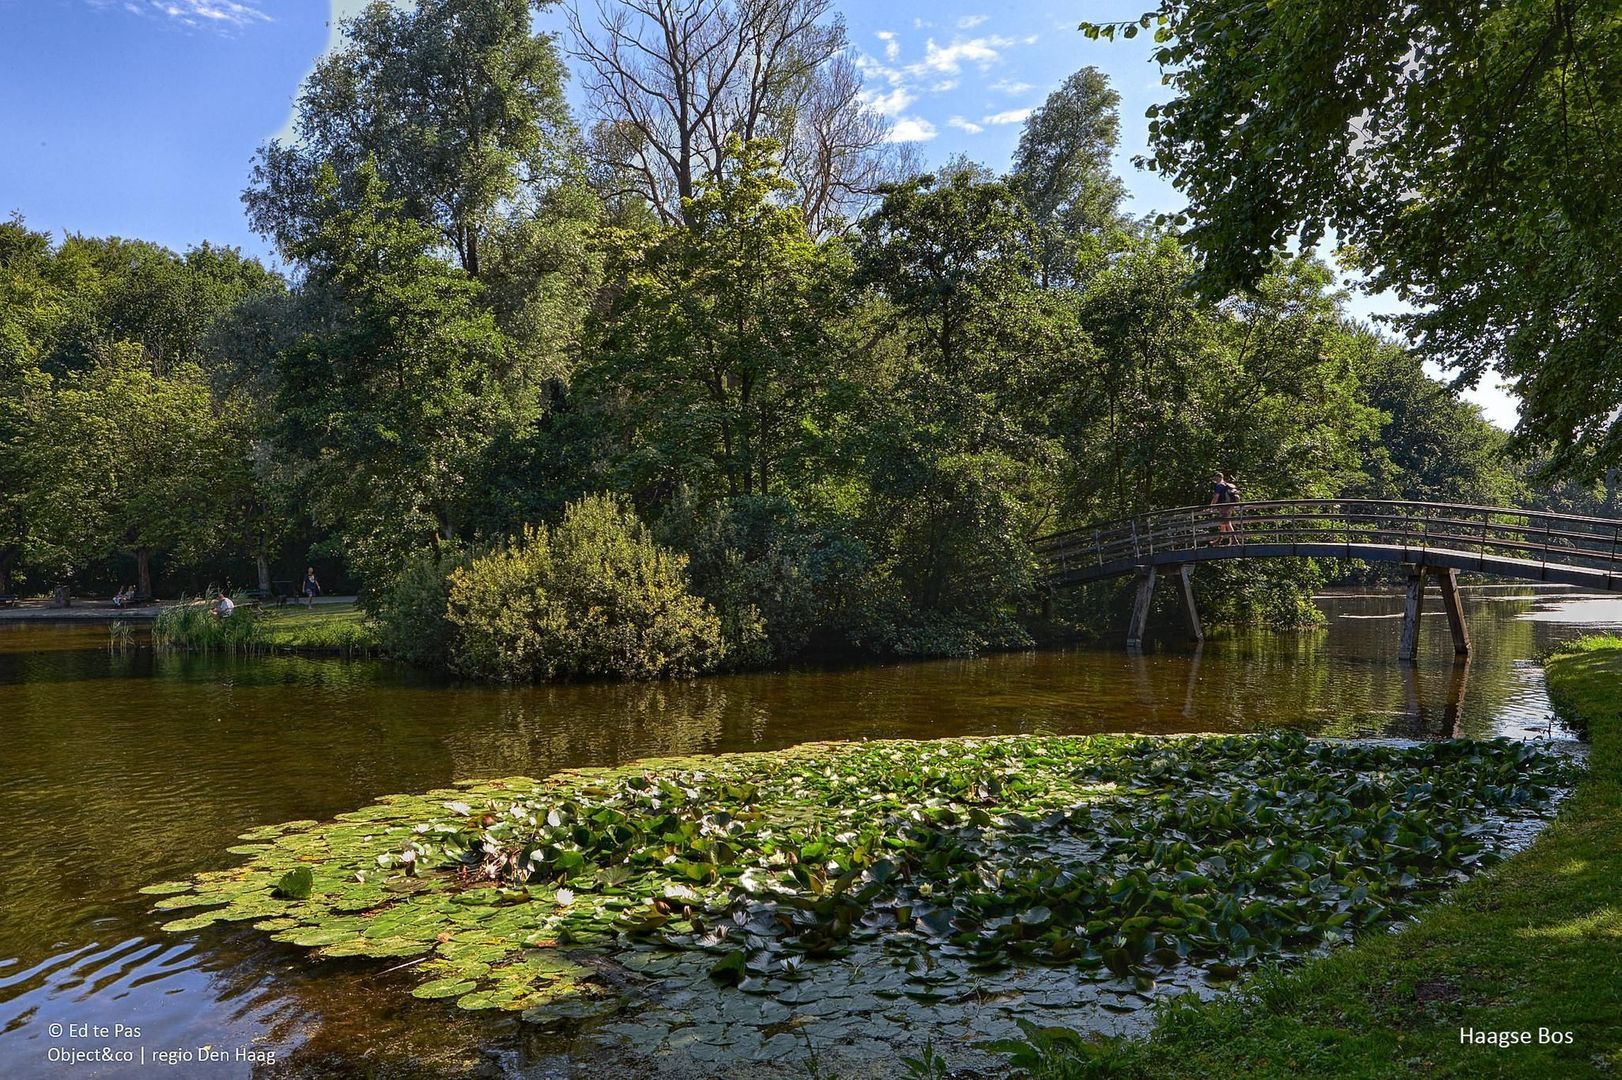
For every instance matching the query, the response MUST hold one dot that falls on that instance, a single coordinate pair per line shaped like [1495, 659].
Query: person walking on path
[311, 588]
[1224, 496]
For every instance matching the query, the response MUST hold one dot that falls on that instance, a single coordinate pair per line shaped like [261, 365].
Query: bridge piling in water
[1140, 607]
[1144, 599]
[1413, 609]
[1195, 632]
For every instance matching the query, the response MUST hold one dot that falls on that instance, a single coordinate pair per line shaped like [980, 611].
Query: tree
[1431, 446]
[1466, 156]
[1063, 173]
[952, 433]
[130, 460]
[670, 82]
[458, 104]
[26, 302]
[721, 336]
[396, 385]
[87, 312]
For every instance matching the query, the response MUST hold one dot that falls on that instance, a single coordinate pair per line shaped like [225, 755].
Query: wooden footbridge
[1434, 540]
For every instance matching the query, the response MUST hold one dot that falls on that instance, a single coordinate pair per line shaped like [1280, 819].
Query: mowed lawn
[335, 627]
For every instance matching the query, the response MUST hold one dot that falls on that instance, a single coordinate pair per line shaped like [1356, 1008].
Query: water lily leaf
[296, 884]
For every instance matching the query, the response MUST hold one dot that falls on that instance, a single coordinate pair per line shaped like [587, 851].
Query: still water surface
[117, 771]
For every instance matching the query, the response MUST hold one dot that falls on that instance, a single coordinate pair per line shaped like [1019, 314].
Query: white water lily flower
[565, 897]
[459, 808]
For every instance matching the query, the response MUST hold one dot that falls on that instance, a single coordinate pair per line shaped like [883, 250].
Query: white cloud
[889, 104]
[1006, 86]
[222, 14]
[969, 22]
[965, 125]
[1012, 116]
[943, 86]
[892, 47]
[912, 129]
[950, 60]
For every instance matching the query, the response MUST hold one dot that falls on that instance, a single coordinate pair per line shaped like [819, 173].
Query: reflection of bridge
[1435, 540]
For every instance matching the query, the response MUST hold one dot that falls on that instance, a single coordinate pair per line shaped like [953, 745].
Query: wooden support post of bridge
[1190, 610]
[1140, 607]
[1144, 599]
[1413, 609]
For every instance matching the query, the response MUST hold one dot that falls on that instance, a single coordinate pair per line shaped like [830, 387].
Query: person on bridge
[1224, 496]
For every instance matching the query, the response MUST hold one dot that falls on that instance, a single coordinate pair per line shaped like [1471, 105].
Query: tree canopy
[1466, 157]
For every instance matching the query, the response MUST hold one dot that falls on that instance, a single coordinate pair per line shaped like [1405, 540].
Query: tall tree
[1063, 173]
[397, 384]
[670, 82]
[458, 102]
[1469, 156]
[29, 307]
[721, 337]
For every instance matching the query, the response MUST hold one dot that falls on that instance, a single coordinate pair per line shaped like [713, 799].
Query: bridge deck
[1526, 545]
[1499, 565]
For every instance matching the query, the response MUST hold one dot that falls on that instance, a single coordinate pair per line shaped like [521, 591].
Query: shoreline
[1513, 974]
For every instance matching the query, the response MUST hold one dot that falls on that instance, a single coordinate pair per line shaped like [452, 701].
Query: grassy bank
[330, 629]
[334, 628]
[1537, 943]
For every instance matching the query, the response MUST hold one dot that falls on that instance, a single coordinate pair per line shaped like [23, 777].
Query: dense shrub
[779, 583]
[411, 613]
[594, 596]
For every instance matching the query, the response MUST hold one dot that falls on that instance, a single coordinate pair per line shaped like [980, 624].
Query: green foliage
[411, 614]
[389, 403]
[1528, 946]
[720, 340]
[1063, 172]
[1467, 162]
[192, 625]
[594, 596]
[933, 866]
[130, 460]
[458, 106]
[779, 583]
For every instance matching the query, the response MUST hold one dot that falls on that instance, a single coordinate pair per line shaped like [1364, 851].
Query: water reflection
[124, 769]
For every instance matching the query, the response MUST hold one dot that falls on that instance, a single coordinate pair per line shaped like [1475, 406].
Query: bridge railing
[1504, 533]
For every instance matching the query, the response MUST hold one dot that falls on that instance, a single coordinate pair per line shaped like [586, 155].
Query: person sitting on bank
[1224, 496]
[123, 596]
[223, 607]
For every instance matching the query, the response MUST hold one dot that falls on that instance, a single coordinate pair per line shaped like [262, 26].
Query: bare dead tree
[669, 81]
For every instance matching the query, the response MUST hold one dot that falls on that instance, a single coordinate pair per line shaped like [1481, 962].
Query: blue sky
[140, 117]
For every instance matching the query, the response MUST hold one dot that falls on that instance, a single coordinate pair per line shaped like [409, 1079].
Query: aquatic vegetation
[1119, 858]
[191, 624]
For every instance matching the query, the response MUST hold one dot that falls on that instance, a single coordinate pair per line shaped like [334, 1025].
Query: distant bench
[8, 601]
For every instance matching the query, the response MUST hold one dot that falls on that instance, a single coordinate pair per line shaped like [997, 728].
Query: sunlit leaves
[1115, 858]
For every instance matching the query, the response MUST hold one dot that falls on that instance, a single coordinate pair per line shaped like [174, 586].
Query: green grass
[335, 628]
[339, 629]
[1535, 943]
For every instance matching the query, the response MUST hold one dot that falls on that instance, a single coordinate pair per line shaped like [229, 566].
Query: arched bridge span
[1434, 540]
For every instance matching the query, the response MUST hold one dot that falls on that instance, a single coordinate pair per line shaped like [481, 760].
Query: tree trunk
[143, 572]
[264, 573]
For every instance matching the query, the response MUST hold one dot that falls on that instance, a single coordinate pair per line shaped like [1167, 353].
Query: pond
[123, 770]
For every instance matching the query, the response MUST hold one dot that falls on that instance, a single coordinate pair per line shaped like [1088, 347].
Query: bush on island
[593, 596]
